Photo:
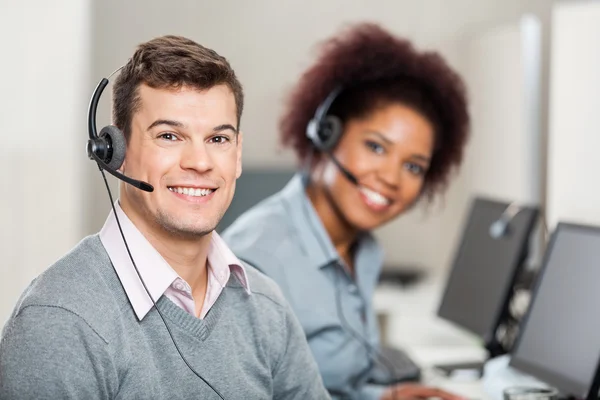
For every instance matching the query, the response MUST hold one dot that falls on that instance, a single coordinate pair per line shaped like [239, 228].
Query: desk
[412, 325]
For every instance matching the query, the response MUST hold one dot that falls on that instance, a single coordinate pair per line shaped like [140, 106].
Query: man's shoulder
[264, 287]
[79, 283]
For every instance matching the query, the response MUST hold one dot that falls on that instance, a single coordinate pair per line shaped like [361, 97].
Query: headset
[324, 132]
[501, 227]
[108, 150]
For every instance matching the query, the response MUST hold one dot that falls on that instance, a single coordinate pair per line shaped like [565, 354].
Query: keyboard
[404, 368]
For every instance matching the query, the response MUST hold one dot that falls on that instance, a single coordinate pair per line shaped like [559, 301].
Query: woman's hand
[417, 392]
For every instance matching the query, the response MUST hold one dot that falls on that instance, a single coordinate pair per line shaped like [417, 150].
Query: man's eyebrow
[169, 122]
[224, 127]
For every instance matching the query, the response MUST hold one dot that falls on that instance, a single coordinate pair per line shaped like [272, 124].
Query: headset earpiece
[324, 134]
[325, 130]
[109, 146]
[118, 145]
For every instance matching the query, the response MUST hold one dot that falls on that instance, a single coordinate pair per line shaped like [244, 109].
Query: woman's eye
[415, 169]
[375, 147]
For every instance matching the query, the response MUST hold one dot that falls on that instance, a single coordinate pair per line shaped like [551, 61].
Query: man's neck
[186, 255]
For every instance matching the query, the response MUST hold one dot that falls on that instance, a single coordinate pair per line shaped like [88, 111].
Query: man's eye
[219, 139]
[168, 136]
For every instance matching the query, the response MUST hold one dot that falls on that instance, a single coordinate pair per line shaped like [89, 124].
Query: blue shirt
[283, 237]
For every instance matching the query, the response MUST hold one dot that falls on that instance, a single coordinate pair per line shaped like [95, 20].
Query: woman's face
[389, 152]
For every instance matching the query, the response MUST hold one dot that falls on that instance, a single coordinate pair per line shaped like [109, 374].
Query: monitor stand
[494, 349]
[469, 367]
[594, 389]
[499, 375]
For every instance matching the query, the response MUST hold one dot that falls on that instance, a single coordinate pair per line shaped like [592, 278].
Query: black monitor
[559, 341]
[491, 254]
[254, 185]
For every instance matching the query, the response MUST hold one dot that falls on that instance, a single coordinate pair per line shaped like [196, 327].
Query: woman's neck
[340, 232]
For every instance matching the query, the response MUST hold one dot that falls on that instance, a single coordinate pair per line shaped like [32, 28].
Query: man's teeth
[375, 197]
[191, 191]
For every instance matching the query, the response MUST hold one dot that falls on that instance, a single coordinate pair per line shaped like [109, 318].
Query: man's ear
[123, 166]
[239, 143]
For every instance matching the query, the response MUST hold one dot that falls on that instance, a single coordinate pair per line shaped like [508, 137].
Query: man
[87, 329]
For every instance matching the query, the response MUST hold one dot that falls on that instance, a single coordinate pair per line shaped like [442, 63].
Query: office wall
[573, 190]
[45, 67]
[504, 67]
[270, 42]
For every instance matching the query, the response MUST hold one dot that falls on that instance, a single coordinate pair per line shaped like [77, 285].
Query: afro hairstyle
[375, 69]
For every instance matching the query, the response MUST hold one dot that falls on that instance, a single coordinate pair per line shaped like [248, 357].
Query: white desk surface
[413, 326]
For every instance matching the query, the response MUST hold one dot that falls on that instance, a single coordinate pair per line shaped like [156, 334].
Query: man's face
[185, 143]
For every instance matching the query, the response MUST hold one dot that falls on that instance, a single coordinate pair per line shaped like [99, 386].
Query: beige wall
[45, 68]
[574, 166]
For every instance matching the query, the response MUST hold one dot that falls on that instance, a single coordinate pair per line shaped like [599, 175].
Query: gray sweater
[74, 335]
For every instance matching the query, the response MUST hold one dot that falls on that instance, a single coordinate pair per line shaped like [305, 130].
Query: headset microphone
[343, 169]
[500, 227]
[108, 148]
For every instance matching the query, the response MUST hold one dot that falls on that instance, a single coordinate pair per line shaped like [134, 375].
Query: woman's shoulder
[265, 219]
[260, 229]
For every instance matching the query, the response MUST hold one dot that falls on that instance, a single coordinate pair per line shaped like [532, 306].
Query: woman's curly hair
[376, 69]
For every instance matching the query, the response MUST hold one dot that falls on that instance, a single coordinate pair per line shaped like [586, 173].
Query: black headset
[108, 149]
[325, 130]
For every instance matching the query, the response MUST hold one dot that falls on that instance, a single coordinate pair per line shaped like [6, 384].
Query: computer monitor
[559, 340]
[492, 250]
[254, 185]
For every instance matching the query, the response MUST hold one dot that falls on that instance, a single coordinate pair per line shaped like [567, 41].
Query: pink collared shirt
[158, 275]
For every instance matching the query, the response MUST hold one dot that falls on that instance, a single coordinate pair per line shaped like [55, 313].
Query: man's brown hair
[170, 62]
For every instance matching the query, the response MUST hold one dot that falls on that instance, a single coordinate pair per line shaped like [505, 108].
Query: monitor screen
[559, 341]
[485, 267]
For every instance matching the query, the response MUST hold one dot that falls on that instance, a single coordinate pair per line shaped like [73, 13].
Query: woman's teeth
[375, 197]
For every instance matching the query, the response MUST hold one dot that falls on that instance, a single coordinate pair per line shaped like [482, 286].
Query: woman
[377, 126]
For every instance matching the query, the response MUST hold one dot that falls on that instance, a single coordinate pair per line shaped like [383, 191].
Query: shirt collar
[220, 257]
[152, 267]
[314, 238]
